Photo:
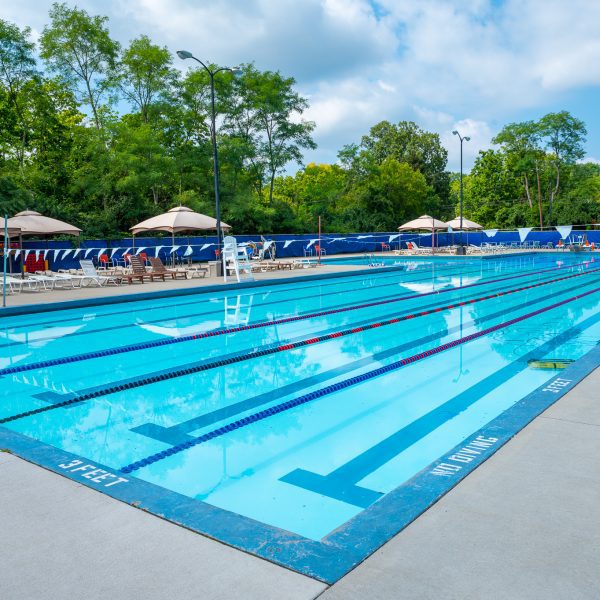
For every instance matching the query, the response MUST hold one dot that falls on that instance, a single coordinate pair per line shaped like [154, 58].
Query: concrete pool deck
[524, 525]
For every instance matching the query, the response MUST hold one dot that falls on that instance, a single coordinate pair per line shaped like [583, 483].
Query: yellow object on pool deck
[550, 363]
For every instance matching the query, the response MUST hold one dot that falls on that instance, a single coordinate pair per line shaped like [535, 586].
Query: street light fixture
[461, 248]
[184, 54]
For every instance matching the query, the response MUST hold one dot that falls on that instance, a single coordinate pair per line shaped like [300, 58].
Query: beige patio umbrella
[31, 222]
[466, 226]
[180, 218]
[424, 222]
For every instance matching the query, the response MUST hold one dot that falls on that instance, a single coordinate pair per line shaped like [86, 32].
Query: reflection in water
[237, 312]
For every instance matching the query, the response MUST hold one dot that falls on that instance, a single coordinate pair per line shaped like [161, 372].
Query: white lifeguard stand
[235, 261]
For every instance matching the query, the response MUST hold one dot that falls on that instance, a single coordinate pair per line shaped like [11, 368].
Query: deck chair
[158, 266]
[16, 283]
[416, 249]
[138, 271]
[91, 275]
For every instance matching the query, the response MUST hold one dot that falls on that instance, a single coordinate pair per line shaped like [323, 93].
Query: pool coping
[343, 549]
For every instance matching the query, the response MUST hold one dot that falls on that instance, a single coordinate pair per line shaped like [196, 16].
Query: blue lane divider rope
[284, 406]
[217, 332]
[268, 350]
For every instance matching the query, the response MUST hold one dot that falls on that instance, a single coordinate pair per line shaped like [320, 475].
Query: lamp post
[461, 248]
[184, 54]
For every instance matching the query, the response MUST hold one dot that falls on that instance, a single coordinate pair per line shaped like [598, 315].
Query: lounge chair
[158, 266]
[46, 282]
[138, 271]
[91, 275]
[197, 271]
[304, 263]
[13, 283]
[414, 248]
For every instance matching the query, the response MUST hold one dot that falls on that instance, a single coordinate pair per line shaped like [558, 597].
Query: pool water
[293, 404]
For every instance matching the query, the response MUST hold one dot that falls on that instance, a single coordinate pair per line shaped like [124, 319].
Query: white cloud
[480, 135]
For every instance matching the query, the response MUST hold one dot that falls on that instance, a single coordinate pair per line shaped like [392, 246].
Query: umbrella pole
[21, 256]
[5, 255]
[173, 247]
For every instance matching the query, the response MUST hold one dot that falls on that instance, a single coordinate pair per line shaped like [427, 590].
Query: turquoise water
[373, 435]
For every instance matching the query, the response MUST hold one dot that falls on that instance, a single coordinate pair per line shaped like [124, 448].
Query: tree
[564, 136]
[491, 192]
[314, 191]
[268, 116]
[521, 145]
[391, 193]
[405, 142]
[144, 75]
[78, 47]
[17, 71]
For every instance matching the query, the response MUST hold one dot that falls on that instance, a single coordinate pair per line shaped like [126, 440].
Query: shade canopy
[31, 222]
[423, 222]
[12, 231]
[180, 218]
[466, 224]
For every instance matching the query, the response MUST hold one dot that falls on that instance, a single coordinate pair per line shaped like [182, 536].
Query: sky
[470, 65]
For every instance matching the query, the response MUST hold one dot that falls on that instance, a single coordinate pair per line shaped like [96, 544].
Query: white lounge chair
[304, 263]
[413, 247]
[44, 281]
[17, 283]
[90, 273]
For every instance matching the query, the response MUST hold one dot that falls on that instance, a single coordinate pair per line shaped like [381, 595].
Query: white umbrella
[180, 218]
[31, 222]
[424, 222]
[466, 224]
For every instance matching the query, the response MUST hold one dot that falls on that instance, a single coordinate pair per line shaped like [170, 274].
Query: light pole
[461, 248]
[184, 54]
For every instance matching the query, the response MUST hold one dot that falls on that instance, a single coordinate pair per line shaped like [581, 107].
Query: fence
[64, 254]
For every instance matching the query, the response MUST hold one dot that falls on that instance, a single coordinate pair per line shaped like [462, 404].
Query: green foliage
[407, 143]
[79, 49]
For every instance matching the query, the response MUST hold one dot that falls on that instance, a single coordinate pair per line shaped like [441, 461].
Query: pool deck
[524, 525]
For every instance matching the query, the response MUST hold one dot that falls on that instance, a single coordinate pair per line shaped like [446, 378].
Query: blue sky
[472, 65]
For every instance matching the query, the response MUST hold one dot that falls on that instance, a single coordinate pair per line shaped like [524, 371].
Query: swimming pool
[325, 413]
